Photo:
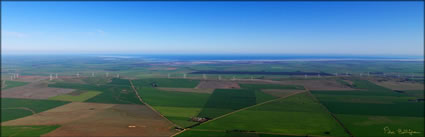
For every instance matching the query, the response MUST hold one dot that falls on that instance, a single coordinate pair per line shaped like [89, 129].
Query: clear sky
[372, 28]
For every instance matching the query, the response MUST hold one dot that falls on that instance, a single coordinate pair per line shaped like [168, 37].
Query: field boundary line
[245, 108]
[23, 108]
[149, 106]
[333, 116]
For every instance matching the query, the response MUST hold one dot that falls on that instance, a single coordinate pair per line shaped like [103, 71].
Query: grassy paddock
[369, 125]
[295, 115]
[223, 101]
[179, 107]
[270, 86]
[162, 82]
[78, 98]
[194, 133]
[116, 92]
[12, 84]
[369, 111]
[18, 108]
[26, 131]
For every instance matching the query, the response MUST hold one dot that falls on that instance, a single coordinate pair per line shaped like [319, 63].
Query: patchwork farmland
[218, 105]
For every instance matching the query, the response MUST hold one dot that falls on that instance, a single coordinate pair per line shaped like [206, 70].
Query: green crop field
[295, 115]
[12, 84]
[85, 95]
[223, 101]
[116, 92]
[374, 126]
[77, 86]
[95, 80]
[17, 108]
[262, 97]
[415, 93]
[194, 133]
[364, 84]
[179, 107]
[411, 109]
[116, 95]
[368, 112]
[119, 82]
[360, 93]
[173, 83]
[269, 86]
[26, 131]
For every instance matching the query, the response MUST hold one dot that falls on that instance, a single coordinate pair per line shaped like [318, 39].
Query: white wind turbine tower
[184, 75]
[17, 75]
[78, 74]
[107, 74]
[92, 74]
[368, 74]
[56, 75]
[11, 77]
[118, 75]
[14, 76]
[51, 77]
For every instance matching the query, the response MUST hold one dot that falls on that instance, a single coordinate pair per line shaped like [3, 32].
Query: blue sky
[358, 28]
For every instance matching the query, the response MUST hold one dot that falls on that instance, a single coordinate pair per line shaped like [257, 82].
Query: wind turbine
[184, 75]
[92, 74]
[56, 75]
[51, 77]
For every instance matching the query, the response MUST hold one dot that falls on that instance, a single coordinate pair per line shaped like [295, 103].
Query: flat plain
[242, 101]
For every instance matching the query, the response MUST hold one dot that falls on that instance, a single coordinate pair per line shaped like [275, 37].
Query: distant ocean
[215, 57]
[219, 57]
